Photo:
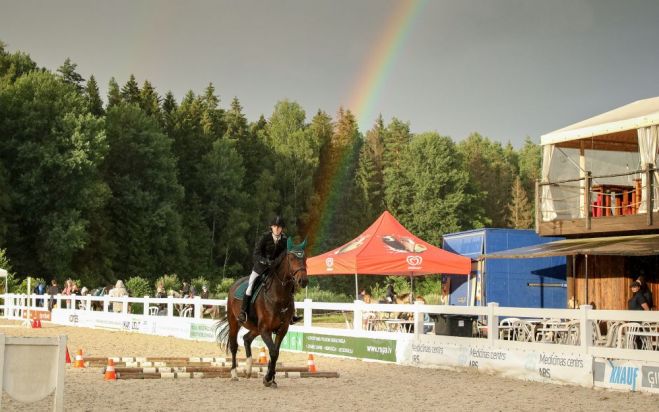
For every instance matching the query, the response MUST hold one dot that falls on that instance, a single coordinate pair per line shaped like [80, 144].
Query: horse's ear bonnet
[297, 250]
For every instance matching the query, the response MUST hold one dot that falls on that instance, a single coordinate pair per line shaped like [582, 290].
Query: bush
[169, 282]
[222, 288]
[138, 287]
[319, 295]
[197, 283]
[12, 282]
[22, 287]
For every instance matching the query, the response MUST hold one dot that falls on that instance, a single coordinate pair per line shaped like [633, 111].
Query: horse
[270, 313]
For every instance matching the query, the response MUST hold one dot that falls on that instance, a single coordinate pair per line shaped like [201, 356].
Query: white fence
[584, 359]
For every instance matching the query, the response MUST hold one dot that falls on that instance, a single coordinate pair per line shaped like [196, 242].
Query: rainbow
[335, 178]
[379, 64]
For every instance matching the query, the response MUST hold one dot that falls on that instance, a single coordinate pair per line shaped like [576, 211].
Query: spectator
[52, 291]
[390, 297]
[161, 293]
[83, 292]
[204, 292]
[118, 291]
[185, 289]
[67, 291]
[40, 289]
[637, 301]
[645, 290]
[426, 316]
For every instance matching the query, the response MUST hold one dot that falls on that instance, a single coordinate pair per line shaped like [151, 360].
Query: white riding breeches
[252, 278]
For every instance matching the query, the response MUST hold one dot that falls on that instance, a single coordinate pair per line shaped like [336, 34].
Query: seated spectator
[118, 291]
[160, 294]
[426, 316]
[185, 290]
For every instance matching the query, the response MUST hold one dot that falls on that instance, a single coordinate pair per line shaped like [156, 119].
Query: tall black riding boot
[244, 310]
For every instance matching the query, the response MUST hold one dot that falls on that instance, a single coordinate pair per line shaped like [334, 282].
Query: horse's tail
[222, 333]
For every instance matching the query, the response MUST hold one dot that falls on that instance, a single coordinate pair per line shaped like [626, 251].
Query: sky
[507, 69]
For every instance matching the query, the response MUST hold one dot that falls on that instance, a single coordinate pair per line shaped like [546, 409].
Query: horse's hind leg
[247, 339]
[234, 327]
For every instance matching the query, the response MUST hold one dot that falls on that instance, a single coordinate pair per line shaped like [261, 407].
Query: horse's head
[297, 262]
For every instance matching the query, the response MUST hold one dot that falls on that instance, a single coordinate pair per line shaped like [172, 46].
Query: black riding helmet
[278, 221]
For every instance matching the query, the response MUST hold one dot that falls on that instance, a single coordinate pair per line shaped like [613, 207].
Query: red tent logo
[414, 261]
[329, 262]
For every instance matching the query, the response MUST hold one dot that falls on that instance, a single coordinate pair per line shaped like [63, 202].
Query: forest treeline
[144, 184]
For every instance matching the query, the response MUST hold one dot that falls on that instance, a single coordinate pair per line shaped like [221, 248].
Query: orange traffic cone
[33, 324]
[110, 374]
[79, 362]
[38, 323]
[311, 364]
[68, 357]
[262, 357]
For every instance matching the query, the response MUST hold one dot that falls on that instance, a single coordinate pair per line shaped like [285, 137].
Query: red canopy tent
[387, 248]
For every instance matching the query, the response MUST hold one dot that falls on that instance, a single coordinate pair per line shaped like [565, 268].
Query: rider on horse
[271, 245]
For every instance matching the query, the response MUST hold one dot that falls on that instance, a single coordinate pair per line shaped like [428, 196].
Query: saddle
[256, 289]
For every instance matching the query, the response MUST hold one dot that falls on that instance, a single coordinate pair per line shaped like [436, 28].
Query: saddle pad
[242, 288]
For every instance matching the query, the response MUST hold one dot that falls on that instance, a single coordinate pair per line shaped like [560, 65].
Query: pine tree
[114, 94]
[489, 168]
[70, 76]
[520, 216]
[141, 172]
[94, 102]
[130, 93]
[150, 101]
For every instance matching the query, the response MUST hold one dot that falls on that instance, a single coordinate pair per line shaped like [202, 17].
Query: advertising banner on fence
[626, 375]
[354, 347]
[429, 350]
[202, 331]
[38, 314]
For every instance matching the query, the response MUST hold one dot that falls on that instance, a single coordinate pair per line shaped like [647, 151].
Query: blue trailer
[530, 283]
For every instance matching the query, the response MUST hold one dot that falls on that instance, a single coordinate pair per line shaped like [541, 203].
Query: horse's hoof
[234, 379]
[273, 385]
[267, 383]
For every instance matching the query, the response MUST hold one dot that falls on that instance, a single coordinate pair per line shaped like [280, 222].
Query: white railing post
[106, 303]
[88, 303]
[197, 307]
[307, 313]
[358, 315]
[170, 306]
[419, 319]
[585, 328]
[492, 323]
[73, 302]
[145, 308]
[124, 304]
[59, 301]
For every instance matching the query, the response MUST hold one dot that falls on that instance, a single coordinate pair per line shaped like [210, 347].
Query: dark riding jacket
[266, 251]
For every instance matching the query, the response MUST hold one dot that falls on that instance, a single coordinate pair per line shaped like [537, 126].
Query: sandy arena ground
[362, 385]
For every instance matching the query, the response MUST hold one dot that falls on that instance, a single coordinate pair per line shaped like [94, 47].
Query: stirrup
[242, 316]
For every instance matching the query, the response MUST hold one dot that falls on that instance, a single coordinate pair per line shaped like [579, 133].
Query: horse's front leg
[273, 347]
[247, 339]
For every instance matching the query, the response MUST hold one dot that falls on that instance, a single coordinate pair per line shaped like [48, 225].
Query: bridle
[290, 276]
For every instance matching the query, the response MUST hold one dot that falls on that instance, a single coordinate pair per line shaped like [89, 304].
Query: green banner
[293, 341]
[365, 348]
[202, 331]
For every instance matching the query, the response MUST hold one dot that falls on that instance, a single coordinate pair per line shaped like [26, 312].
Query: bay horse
[270, 313]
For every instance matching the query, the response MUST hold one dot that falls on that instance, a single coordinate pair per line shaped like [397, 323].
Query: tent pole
[411, 288]
[356, 288]
[586, 289]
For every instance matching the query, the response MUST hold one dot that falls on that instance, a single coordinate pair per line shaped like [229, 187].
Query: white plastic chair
[625, 338]
[506, 332]
[523, 331]
[186, 313]
[153, 310]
